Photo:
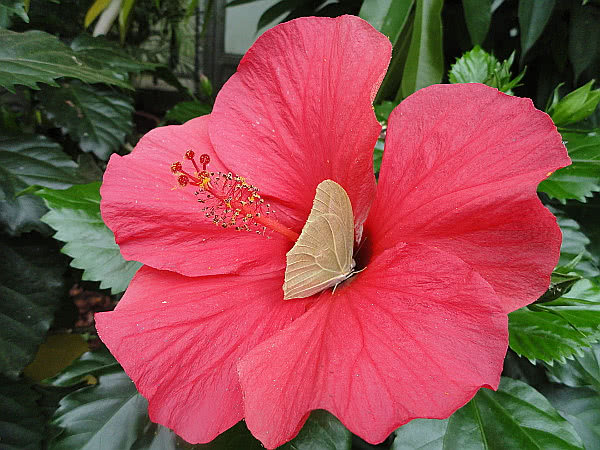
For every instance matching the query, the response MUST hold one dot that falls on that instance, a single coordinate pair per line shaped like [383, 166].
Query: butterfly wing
[322, 255]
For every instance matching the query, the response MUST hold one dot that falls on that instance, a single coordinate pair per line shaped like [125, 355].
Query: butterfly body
[322, 255]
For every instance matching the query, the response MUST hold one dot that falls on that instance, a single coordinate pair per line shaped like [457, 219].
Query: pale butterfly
[322, 255]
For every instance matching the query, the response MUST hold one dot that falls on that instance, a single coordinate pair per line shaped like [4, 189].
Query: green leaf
[581, 407]
[478, 15]
[582, 178]
[206, 86]
[582, 371]
[533, 17]
[273, 12]
[110, 414]
[31, 287]
[100, 366]
[236, 437]
[584, 37]
[554, 330]
[54, 354]
[184, 111]
[99, 119]
[383, 110]
[90, 363]
[75, 215]
[125, 18]
[425, 62]
[37, 57]
[387, 16]
[35, 160]
[574, 255]
[14, 7]
[101, 53]
[28, 160]
[575, 106]
[156, 437]
[478, 66]
[321, 431]
[21, 421]
[560, 284]
[378, 155]
[22, 214]
[238, 2]
[390, 86]
[514, 417]
[97, 7]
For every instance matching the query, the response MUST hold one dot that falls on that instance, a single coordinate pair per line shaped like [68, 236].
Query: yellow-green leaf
[94, 11]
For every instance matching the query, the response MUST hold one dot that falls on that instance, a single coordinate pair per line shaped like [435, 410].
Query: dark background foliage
[69, 100]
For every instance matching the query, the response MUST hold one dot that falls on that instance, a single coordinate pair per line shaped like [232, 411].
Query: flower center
[228, 199]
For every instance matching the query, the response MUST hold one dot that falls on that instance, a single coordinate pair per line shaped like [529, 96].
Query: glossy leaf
[104, 54]
[156, 437]
[35, 160]
[184, 111]
[276, 10]
[21, 420]
[97, 7]
[581, 407]
[125, 17]
[387, 16]
[238, 436]
[56, 352]
[75, 215]
[14, 7]
[425, 61]
[390, 86]
[582, 371]
[321, 431]
[37, 57]
[383, 110]
[575, 106]
[552, 333]
[28, 160]
[90, 363]
[478, 66]
[582, 178]
[394, 19]
[516, 416]
[31, 286]
[533, 17]
[558, 329]
[584, 37]
[478, 15]
[99, 119]
[110, 414]
[574, 254]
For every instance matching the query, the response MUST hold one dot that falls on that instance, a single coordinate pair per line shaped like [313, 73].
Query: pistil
[229, 200]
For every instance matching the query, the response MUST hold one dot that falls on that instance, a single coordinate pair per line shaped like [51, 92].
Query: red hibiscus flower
[451, 239]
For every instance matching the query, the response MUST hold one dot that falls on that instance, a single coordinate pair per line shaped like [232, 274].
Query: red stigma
[189, 154]
[204, 160]
[183, 180]
[176, 167]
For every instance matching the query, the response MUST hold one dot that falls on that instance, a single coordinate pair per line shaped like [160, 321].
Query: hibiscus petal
[460, 171]
[179, 339]
[416, 334]
[162, 225]
[299, 111]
